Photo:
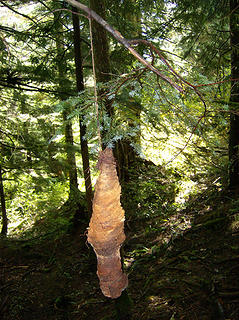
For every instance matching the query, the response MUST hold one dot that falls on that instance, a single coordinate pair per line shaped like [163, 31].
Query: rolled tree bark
[106, 229]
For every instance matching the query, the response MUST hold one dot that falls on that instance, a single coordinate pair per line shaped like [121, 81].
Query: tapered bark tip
[106, 229]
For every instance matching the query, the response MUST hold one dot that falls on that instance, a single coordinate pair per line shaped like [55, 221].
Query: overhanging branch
[126, 43]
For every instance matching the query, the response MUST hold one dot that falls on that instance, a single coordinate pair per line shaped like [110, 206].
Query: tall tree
[234, 97]
[80, 88]
[216, 51]
[64, 83]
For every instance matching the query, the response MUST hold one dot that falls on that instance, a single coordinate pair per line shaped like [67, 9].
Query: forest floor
[190, 275]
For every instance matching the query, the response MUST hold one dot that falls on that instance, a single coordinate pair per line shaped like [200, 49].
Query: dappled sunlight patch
[31, 204]
[128, 262]
[186, 187]
[160, 305]
[235, 223]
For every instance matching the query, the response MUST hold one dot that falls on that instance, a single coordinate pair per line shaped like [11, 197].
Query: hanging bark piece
[106, 229]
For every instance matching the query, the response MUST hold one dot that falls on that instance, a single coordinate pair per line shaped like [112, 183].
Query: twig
[214, 83]
[187, 142]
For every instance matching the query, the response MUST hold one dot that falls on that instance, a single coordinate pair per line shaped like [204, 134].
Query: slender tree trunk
[70, 153]
[80, 87]
[3, 206]
[64, 83]
[234, 97]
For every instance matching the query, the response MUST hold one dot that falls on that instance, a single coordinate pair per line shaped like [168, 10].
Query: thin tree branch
[8, 134]
[214, 83]
[187, 142]
[27, 87]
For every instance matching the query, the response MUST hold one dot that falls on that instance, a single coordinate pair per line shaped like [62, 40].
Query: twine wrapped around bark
[106, 229]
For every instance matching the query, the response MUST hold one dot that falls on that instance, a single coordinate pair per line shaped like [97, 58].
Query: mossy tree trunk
[234, 97]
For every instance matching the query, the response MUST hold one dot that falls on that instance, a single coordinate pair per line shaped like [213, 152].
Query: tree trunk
[234, 97]
[64, 83]
[70, 153]
[124, 152]
[100, 43]
[101, 54]
[80, 87]
[3, 206]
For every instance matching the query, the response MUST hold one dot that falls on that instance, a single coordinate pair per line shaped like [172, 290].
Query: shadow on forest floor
[193, 275]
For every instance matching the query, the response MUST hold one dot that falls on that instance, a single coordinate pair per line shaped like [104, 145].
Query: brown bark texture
[106, 229]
